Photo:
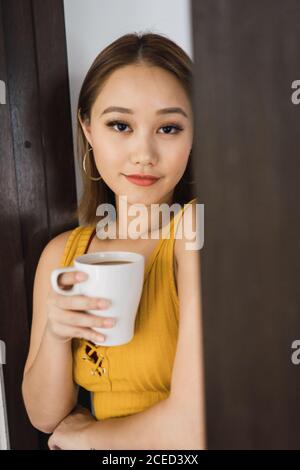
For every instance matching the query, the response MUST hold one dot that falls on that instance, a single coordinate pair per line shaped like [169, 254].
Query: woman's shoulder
[55, 248]
[72, 243]
[58, 242]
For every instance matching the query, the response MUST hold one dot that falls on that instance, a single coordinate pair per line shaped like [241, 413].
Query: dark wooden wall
[247, 54]
[37, 178]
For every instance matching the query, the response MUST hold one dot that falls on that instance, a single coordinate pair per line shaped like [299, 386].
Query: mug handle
[54, 276]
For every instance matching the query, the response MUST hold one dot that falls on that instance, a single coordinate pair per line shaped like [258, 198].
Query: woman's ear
[86, 128]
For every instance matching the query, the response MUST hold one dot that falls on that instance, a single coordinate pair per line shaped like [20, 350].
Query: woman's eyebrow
[120, 109]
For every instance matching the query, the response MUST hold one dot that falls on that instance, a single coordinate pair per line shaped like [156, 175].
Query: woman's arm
[177, 422]
[48, 389]
[161, 426]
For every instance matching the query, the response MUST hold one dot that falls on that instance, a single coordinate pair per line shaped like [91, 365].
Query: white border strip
[4, 436]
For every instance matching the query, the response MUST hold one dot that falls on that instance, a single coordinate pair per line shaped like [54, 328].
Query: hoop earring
[84, 168]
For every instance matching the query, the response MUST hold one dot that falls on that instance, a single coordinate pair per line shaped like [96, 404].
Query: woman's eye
[116, 123]
[171, 126]
[121, 126]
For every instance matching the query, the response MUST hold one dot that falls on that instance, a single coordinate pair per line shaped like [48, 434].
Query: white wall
[93, 24]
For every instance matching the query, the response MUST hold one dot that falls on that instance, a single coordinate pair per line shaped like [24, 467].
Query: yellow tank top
[132, 377]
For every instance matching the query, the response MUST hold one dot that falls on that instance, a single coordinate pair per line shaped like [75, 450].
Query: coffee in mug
[110, 262]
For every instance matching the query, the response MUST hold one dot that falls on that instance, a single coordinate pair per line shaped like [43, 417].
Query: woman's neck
[138, 220]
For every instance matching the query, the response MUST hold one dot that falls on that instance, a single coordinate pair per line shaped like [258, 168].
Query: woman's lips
[141, 181]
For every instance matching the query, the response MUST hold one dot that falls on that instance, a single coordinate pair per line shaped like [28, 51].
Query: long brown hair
[134, 48]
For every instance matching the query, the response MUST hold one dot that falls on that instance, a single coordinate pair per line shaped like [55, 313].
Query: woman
[134, 117]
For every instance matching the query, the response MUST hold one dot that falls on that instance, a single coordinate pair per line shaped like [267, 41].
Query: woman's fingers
[68, 332]
[67, 279]
[80, 302]
[86, 320]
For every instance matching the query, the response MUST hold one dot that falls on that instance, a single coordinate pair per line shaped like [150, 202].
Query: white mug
[122, 284]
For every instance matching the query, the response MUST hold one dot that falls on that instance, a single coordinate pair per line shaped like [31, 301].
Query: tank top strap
[168, 232]
[177, 218]
[170, 229]
[76, 244]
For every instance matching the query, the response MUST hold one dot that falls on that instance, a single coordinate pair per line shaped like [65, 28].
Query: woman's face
[141, 140]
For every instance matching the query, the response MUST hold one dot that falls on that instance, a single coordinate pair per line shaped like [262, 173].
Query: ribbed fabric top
[129, 378]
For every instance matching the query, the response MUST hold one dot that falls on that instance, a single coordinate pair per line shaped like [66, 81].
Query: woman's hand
[69, 434]
[66, 317]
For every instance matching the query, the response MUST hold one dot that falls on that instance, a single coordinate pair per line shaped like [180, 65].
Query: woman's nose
[145, 157]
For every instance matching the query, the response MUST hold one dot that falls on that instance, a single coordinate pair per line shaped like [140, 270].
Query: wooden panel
[14, 328]
[37, 166]
[55, 112]
[247, 138]
[26, 132]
